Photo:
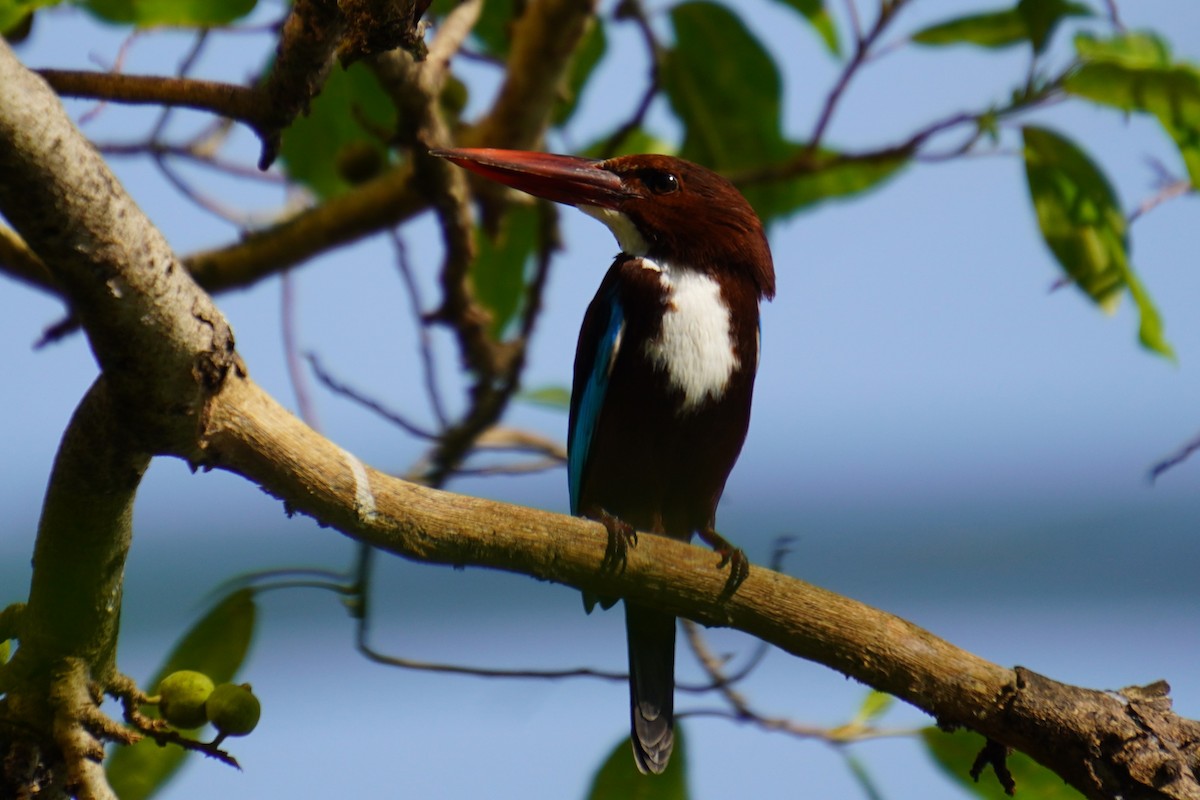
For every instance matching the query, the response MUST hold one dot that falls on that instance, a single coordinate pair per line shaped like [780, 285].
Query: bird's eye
[660, 182]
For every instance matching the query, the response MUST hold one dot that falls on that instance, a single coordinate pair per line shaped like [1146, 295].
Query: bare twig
[1114, 15]
[863, 44]
[855, 22]
[633, 9]
[741, 710]
[862, 52]
[339, 388]
[1175, 459]
[485, 672]
[424, 341]
[189, 152]
[1173, 189]
[291, 351]
[239, 219]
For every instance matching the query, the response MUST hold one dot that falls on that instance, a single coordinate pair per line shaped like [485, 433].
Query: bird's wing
[599, 342]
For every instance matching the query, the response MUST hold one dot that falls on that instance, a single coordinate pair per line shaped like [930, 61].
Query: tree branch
[223, 99]
[373, 206]
[1102, 743]
[116, 268]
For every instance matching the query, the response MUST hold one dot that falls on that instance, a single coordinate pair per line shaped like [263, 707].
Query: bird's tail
[651, 637]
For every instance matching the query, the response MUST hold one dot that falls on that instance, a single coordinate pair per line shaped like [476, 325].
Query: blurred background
[941, 435]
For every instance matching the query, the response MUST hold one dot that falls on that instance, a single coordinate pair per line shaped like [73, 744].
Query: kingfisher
[664, 372]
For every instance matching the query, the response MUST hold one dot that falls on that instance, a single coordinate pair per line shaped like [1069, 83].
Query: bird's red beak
[571, 180]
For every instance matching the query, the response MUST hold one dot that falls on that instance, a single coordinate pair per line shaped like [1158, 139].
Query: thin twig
[189, 153]
[240, 219]
[485, 672]
[862, 51]
[1177, 458]
[116, 67]
[424, 341]
[855, 22]
[1114, 15]
[1174, 189]
[339, 388]
[291, 350]
[740, 710]
[633, 9]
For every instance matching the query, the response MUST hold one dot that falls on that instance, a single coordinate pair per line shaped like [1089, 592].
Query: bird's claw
[735, 557]
[621, 537]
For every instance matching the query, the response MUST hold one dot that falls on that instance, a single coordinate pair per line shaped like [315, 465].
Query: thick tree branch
[68, 628]
[116, 268]
[162, 346]
[1103, 743]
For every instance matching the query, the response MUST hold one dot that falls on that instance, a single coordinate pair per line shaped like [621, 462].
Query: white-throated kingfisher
[664, 371]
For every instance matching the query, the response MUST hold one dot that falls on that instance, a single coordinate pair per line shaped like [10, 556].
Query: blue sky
[946, 438]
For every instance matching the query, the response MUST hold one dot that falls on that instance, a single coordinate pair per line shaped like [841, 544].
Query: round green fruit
[182, 696]
[233, 709]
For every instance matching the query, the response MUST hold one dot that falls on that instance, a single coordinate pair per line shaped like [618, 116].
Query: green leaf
[182, 13]
[5, 650]
[818, 16]
[216, 645]
[638, 141]
[724, 87]
[1032, 21]
[558, 397]
[619, 779]
[583, 64]
[874, 706]
[726, 90]
[991, 29]
[498, 272]
[1150, 327]
[858, 770]
[348, 114]
[1078, 214]
[1043, 16]
[830, 177]
[13, 12]
[1134, 72]
[956, 752]
[1136, 49]
[1082, 224]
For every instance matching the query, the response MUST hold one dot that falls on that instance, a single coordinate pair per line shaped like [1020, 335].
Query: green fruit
[182, 696]
[233, 709]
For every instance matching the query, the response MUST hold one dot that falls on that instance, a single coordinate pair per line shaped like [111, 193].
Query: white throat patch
[628, 236]
[694, 346]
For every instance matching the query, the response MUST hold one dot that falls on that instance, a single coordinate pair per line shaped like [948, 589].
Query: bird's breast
[694, 346]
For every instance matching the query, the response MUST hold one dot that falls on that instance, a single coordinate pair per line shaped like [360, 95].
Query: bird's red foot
[735, 557]
[621, 537]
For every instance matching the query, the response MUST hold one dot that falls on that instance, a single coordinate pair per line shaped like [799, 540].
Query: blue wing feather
[588, 400]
